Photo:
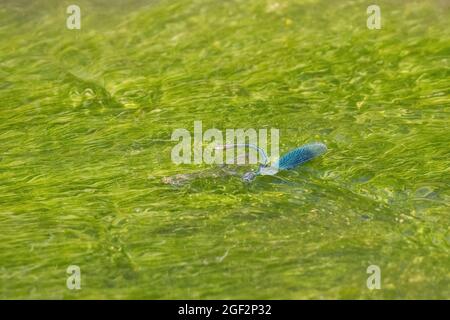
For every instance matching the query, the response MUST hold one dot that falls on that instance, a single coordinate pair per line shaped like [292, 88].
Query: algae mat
[86, 120]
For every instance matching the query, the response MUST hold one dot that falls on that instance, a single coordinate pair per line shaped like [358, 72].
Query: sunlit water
[85, 124]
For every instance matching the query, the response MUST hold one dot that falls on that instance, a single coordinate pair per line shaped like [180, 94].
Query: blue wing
[301, 155]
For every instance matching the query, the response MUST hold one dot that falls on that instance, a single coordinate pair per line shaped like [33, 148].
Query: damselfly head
[249, 176]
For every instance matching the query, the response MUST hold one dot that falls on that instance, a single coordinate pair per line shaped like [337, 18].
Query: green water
[85, 124]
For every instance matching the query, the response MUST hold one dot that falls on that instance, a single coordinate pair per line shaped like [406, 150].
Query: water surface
[85, 123]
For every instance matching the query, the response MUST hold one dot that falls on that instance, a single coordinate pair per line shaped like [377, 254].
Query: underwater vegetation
[86, 177]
